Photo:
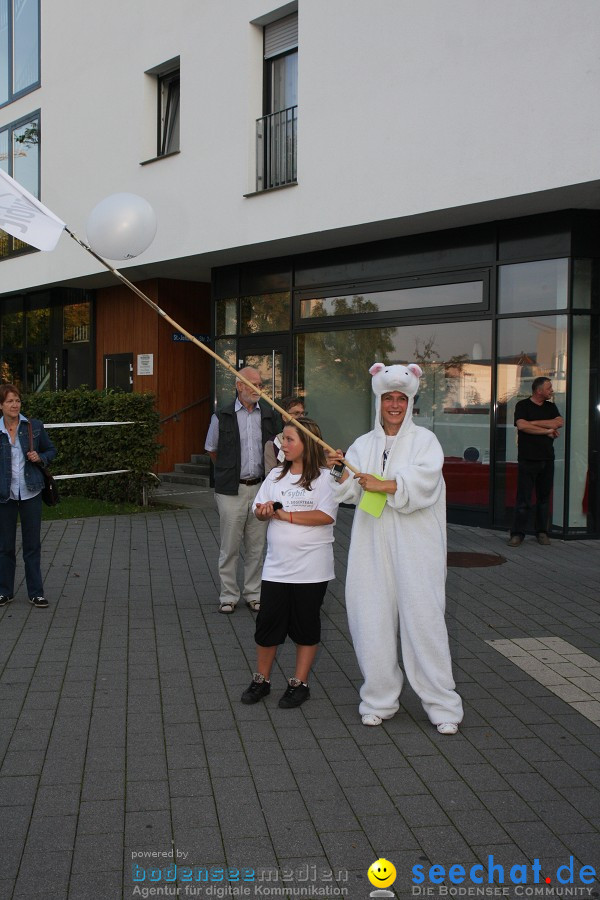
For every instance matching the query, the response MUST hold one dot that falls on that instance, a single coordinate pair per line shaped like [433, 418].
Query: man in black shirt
[538, 422]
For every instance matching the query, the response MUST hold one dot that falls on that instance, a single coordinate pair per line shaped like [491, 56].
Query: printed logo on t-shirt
[297, 498]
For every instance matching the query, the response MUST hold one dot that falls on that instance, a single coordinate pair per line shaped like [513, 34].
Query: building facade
[335, 184]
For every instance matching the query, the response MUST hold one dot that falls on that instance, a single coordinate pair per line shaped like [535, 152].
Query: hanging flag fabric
[25, 218]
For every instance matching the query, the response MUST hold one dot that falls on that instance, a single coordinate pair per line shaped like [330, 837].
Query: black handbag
[50, 489]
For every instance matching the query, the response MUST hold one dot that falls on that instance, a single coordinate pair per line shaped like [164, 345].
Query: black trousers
[538, 474]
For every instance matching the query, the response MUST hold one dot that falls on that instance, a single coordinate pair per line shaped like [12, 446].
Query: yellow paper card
[373, 502]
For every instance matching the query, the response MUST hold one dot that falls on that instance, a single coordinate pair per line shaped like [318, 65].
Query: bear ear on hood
[375, 368]
[415, 369]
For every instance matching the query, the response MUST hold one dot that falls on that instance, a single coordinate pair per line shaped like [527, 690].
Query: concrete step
[200, 459]
[191, 469]
[182, 478]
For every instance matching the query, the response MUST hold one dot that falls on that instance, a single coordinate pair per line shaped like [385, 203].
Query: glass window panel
[26, 44]
[224, 379]
[540, 285]
[12, 330]
[76, 323]
[578, 425]
[26, 156]
[38, 327]
[11, 367]
[168, 86]
[226, 316]
[389, 301]
[269, 312]
[270, 366]
[284, 82]
[4, 45]
[527, 348]
[582, 283]
[38, 371]
[454, 399]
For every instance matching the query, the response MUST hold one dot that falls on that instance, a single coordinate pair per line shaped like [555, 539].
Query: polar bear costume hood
[394, 378]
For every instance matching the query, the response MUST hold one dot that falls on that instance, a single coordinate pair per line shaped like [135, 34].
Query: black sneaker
[297, 692]
[40, 602]
[4, 599]
[259, 688]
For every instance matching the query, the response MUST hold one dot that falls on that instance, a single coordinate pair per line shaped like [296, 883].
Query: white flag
[23, 216]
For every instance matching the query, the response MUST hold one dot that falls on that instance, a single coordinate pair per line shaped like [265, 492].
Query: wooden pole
[202, 346]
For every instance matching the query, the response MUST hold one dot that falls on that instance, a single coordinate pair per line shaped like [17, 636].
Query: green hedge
[100, 449]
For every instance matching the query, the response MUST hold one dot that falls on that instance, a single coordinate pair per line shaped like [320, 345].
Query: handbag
[50, 489]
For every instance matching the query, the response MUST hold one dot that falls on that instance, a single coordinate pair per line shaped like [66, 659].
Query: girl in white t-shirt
[297, 501]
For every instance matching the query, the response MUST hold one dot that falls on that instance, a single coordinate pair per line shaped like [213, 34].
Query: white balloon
[121, 226]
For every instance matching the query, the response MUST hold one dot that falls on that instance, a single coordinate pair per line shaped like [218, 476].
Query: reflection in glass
[11, 367]
[4, 45]
[76, 323]
[226, 316]
[25, 44]
[12, 330]
[540, 285]
[578, 425]
[270, 366]
[38, 326]
[38, 371]
[26, 156]
[224, 379]
[269, 312]
[390, 301]
[582, 283]
[527, 348]
[453, 402]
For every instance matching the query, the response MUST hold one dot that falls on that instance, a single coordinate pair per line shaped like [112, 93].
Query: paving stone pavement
[122, 733]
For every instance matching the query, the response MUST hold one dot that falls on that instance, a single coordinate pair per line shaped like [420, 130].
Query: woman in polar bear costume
[397, 562]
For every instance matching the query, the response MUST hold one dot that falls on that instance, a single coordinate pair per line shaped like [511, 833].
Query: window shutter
[281, 36]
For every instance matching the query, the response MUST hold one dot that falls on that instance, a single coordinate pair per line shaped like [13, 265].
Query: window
[277, 129]
[168, 113]
[20, 158]
[19, 48]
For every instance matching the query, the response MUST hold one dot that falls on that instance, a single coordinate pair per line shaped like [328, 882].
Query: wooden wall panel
[125, 324]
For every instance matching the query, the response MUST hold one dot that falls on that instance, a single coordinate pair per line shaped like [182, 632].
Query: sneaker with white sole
[39, 602]
[371, 719]
[447, 728]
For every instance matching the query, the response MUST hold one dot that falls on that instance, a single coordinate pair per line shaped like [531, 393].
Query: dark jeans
[538, 474]
[30, 513]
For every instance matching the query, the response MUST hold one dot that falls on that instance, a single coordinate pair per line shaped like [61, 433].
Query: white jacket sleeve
[420, 481]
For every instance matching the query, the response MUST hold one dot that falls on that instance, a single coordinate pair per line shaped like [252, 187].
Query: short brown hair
[6, 389]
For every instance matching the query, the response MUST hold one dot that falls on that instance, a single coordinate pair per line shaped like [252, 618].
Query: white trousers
[239, 528]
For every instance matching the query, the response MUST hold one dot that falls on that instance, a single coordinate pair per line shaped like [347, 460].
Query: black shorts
[289, 609]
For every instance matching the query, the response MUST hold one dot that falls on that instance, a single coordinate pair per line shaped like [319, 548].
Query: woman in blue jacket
[21, 483]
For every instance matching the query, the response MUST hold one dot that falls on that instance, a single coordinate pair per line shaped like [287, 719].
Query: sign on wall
[145, 364]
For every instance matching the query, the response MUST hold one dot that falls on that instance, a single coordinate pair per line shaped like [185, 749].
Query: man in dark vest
[235, 442]
[538, 422]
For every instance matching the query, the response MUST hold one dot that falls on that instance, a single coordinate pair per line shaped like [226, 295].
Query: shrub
[100, 449]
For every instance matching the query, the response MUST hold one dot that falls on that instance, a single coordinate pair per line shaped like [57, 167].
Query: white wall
[405, 107]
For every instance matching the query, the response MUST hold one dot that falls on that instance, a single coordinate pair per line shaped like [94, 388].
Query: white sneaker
[371, 719]
[447, 728]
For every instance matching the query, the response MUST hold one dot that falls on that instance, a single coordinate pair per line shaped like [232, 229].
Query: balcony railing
[276, 148]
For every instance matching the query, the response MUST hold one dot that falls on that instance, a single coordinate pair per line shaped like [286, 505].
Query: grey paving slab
[122, 730]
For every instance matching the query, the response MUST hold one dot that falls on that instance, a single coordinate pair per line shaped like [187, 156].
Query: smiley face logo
[381, 873]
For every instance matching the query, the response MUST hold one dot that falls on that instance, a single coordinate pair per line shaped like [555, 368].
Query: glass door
[271, 357]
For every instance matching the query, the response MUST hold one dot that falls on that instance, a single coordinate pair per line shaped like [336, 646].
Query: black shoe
[4, 599]
[259, 688]
[40, 602]
[297, 692]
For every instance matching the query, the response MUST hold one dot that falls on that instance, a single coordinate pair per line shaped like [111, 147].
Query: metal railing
[175, 415]
[276, 148]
